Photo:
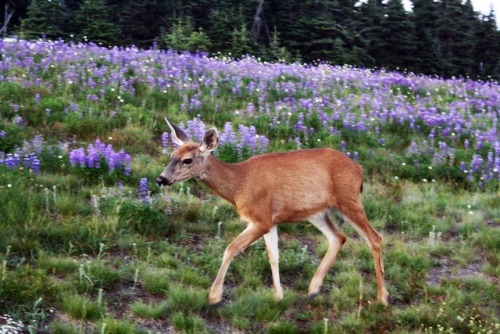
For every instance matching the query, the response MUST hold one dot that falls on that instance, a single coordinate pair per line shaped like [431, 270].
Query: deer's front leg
[242, 241]
[271, 239]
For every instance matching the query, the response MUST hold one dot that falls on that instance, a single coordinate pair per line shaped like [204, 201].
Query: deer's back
[295, 185]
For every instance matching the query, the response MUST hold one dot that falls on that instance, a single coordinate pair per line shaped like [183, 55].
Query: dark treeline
[446, 37]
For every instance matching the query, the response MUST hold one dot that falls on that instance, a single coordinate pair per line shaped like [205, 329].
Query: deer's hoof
[216, 305]
[312, 295]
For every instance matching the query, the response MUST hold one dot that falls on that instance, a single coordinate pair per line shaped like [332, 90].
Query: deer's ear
[178, 136]
[210, 141]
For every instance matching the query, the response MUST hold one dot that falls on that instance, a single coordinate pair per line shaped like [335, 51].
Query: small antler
[178, 136]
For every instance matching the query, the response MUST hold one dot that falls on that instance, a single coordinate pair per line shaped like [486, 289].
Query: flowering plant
[100, 159]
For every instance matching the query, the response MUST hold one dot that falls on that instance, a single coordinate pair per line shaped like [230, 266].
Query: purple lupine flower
[299, 126]
[73, 107]
[143, 191]
[490, 159]
[476, 163]
[112, 159]
[35, 145]
[32, 162]
[19, 121]
[297, 142]
[227, 136]
[97, 152]
[342, 145]
[263, 143]
[250, 108]
[246, 137]
[165, 139]
[77, 157]
[2, 134]
[37, 98]
[93, 157]
[12, 160]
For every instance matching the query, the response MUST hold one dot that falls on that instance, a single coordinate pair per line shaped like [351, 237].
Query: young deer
[276, 188]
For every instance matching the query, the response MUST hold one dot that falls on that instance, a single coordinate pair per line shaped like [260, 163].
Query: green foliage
[398, 43]
[113, 326]
[46, 18]
[152, 311]
[94, 23]
[276, 51]
[183, 36]
[21, 284]
[240, 42]
[82, 307]
[189, 323]
[145, 220]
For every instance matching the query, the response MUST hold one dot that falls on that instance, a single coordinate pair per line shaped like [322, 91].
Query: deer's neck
[222, 178]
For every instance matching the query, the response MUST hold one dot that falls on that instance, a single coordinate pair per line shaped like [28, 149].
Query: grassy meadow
[90, 244]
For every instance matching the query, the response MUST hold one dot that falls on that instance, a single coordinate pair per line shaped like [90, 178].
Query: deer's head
[188, 160]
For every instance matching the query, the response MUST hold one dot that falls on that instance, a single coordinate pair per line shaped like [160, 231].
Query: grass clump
[82, 307]
[151, 310]
[189, 323]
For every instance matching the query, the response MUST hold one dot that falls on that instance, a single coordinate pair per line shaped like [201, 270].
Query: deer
[279, 188]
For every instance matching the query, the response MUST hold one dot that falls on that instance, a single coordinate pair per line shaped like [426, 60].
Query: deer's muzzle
[162, 181]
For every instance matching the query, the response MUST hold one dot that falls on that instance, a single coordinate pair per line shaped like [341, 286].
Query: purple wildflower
[78, 158]
[227, 137]
[19, 121]
[476, 163]
[165, 139]
[143, 191]
[342, 145]
[97, 152]
[11, 160]
[32, 163]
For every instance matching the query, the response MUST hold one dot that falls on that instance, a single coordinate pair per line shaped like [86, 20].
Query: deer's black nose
[162, 181]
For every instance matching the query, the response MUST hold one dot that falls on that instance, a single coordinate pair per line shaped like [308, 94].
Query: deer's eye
[187, 162]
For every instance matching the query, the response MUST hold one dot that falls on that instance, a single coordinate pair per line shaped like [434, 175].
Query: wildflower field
[90, 244]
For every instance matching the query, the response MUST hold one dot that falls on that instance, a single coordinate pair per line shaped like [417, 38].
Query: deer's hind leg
[355, 214]
[336, 240]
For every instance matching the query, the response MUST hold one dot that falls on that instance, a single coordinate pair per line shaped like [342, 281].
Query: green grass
[441, 267]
